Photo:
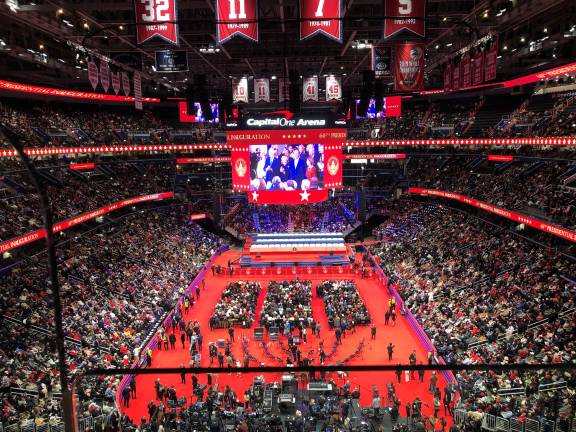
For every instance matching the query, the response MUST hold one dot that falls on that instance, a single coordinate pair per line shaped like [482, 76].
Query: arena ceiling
[42, 41]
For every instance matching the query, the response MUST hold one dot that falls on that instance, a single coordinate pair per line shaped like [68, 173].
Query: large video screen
[286, 167]
[197, 116]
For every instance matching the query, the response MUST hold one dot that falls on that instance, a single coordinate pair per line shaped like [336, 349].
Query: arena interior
[292, 215]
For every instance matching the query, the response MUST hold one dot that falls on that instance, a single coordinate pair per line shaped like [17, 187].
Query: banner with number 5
[321, 16]
[156, 18]
[236, 17]
[406, 15]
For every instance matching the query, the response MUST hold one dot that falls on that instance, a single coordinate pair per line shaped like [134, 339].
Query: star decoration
[255, 196]
[304, 196]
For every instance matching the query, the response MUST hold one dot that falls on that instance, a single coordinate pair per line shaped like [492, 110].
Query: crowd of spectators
[73, 126]
[477, 291]
[116, 287]
[236, 306]
[528, 186]
[344, 306]
[287, 305]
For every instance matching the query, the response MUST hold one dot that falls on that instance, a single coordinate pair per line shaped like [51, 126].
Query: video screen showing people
[286, 167]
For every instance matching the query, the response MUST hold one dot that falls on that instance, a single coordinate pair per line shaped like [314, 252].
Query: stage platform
[330, 243]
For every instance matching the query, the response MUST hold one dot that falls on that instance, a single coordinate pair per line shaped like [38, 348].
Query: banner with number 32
[156, 18]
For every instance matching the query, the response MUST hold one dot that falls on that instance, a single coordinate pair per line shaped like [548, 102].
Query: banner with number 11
[236, 17]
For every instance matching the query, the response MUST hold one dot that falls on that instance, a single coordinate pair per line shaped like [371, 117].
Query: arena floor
[374, 352]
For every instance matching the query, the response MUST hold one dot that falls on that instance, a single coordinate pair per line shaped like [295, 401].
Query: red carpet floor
[374, 352]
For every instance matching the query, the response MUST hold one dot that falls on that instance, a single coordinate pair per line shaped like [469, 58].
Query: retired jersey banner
[404, 15]
[93, 74]
[456, 84]
[283, 89]
[448, 77]
[115, 82]
[240, 90]
[466, 70]
[236, 17]
[321, 16]
[310, 89]
[156, 18]
[137, 90]
[409, 67]
[333, 88]
[491, 61]
[381, 61]
[105, 75]
[261, 90]
[478, 68]
[125, 83]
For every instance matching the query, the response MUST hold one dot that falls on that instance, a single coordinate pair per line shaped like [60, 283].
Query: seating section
[237, 305]
[344, 306]
[287, 304]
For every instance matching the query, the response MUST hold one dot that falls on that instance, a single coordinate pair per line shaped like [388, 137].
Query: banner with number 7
[236, 17]
[321, 16]
[409, 15]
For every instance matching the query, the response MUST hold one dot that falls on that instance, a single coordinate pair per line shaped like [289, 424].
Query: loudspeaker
[366, 92]
[190, 99]
[202, 96]
[379, 95]
[294, 91]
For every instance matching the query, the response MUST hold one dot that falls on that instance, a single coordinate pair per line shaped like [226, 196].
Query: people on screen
[286, 167]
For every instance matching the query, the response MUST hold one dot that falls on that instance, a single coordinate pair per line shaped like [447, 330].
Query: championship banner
[310, 89]
[409, 67]
[105, 75]
[466, 70]
[333, 88]
[240, 90]
[137, 90]
[125, 83]
[261, 90]
[491, 61]
[283, 89]
[156, 18]
[93, 73]
[448, 77]
[456, 85]
[115, 82]
[333, 166]
[240, 159]
[478, 69]
[314, 16]
[516, 217]
[236, 17]
[294, 197]
[381, 61]
[404, 15]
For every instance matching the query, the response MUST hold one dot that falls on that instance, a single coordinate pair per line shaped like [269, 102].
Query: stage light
[522, 39]
[121, 28]
[60, 11]
[86, 26]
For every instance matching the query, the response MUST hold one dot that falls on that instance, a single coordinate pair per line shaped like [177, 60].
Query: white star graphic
[255, 196]
[304, 195]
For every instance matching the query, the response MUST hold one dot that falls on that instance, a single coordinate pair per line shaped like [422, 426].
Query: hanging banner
[240, 160]
[466, 72]
[115, 82]
[478, 68]
[333, 88]
[409, 66]
[105, 75]
[393, 106]
[456, 76]
[261, 90]
[137, 90]
[408, 15]
[125, 83]
[491, 61]
[313, 18]
[93, 74]
[283, 89]
[310, 89]
[236, 17]
[448, 77]
[240, 90]
[156, 18]
[381, 61]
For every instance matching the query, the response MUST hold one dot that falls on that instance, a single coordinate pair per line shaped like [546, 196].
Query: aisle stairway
[495, 108]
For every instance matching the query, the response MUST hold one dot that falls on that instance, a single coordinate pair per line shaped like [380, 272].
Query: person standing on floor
[133, 387]
[231, 333]
[182, 375]
[412, 360]
[390, 349]
[373, 332]
[172, 341]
